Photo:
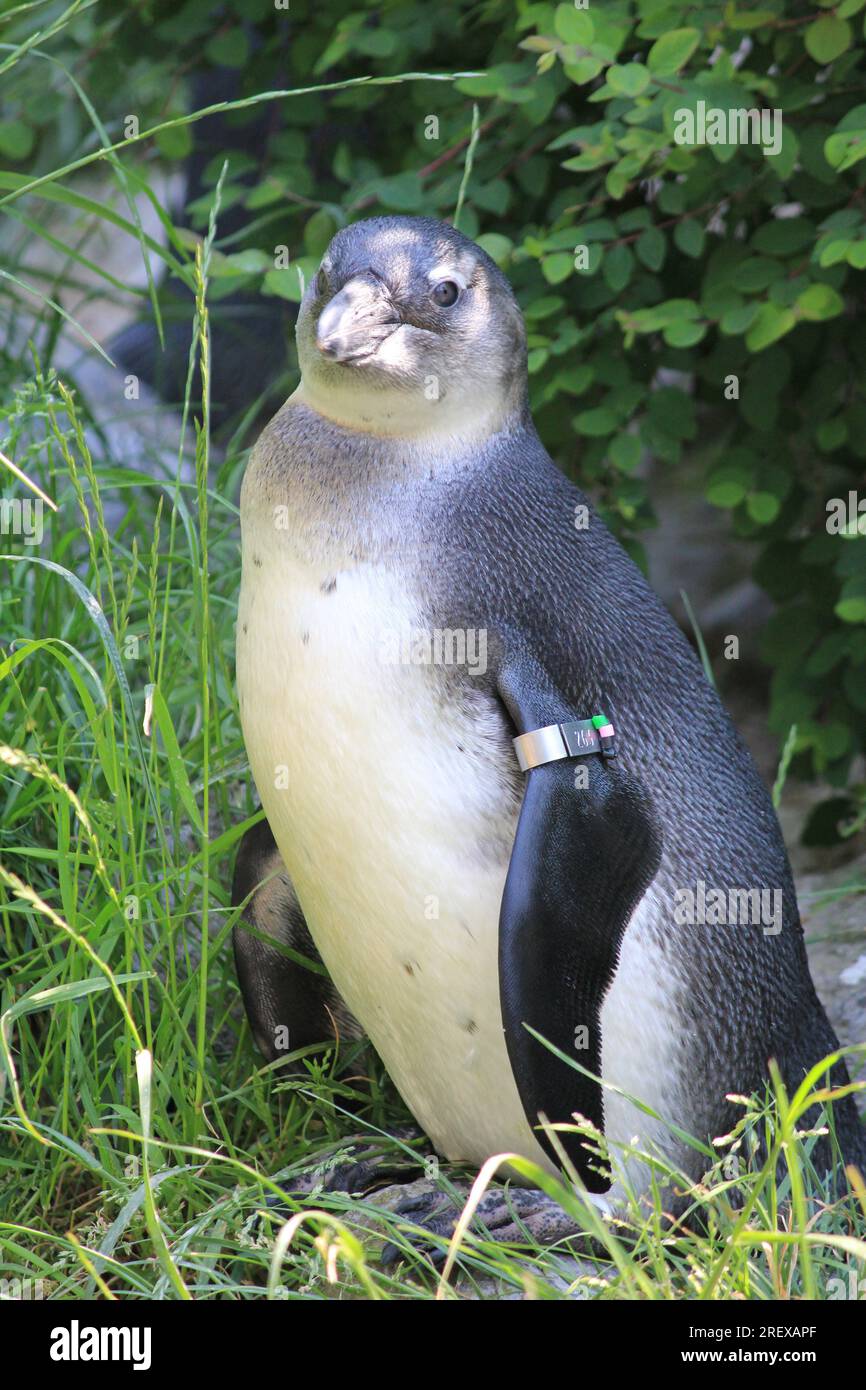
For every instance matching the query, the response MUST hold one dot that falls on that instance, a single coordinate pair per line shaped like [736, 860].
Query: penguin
[501, 796]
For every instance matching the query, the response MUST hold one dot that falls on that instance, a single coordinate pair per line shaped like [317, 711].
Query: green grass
[140, 1135]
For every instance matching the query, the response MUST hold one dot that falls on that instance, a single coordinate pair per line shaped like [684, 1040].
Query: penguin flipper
[585, 851]
[288, 1005]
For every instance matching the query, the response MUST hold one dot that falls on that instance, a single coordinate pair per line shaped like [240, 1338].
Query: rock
[833, 910]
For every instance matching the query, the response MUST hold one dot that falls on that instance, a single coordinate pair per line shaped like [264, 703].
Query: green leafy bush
[696, 301]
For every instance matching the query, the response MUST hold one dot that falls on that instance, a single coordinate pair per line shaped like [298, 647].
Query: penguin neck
[360, 457]
[412, 425]
[349, 491]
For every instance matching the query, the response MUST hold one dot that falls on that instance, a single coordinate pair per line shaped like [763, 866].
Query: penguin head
[410, 328]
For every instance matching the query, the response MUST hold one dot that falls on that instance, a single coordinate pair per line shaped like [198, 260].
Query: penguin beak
[357, 320]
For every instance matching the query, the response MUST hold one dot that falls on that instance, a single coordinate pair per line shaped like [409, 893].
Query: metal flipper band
[572, 740]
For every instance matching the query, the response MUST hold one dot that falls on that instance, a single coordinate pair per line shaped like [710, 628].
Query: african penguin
[422, 586]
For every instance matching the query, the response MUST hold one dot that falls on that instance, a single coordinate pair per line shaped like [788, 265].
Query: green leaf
[616, 182]
[845, 148]
[584, 70]
[375, 43]
[265, 194]
[557, 267]
[228, 50]
[826, 38]
[726, 493]
[771, 323]
[819, 302]
[651, 320]
[624, 452]
[601, 420]
[402, 192]
[617, 266]
[689, 237]
[175, 143]
[751, 19]
[785, 161]
[737, 321]
[763, 507]
[834, 252]
[576, 380]
[835, 740]
[758, 273]
[669, 53]
[249, 262]
[650, 248]
[628, 78]
[16, 139]
[672, 412]
[782, 236]
[831, 434]
[829, 652]
[286, 284]
[573, 26]
[498, 247]
[545, 306]
[851, 610]
[684, 335]
[318, 232]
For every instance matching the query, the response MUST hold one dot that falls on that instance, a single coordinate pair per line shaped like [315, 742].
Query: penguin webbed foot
[362, 1165]
[386, 1175]
[507, 1216]
[357, 1167]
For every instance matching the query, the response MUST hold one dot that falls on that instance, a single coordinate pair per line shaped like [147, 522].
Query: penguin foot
[386, 1175]
[508, 1216]
[359, 1166]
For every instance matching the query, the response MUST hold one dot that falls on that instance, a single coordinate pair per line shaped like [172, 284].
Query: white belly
[387, 805]
[392, 810]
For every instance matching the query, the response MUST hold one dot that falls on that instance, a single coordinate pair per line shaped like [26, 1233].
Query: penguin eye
[446, 293]
[321, 283]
